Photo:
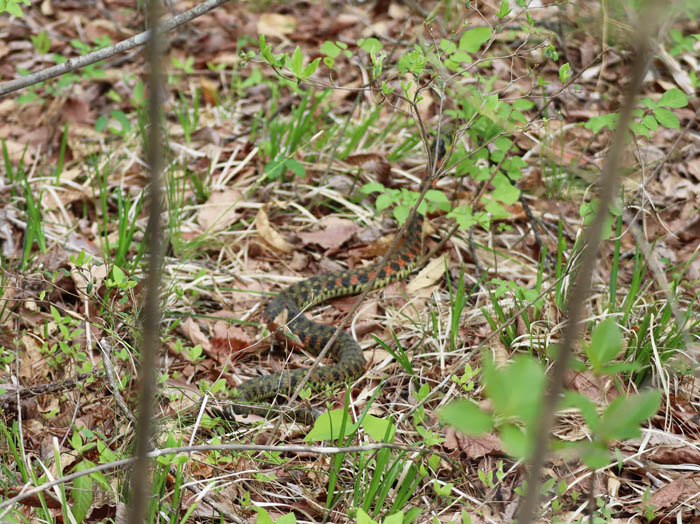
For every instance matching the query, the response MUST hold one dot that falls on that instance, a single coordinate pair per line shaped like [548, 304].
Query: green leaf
[587, 408]
[515, 390]
[41, 42]
[438, 198]
[263, 516]
[330, 49]
[377, 428]
[297, 62]
[371, 45]
[118, 275]
[101, 123]
[363, 518]
[394, 518]
[14, 8]
[372, 187]
[674, 98]
[564, 73]
[597, 123]
[606, 343]
[383, 201]
[401, 213]
[295, 167]
[310, 69]
[472, 39]
[467, 417]
[624, 415]
[523, 104]
[82, 492]
[515, 442]
[504, 191]
[666, 118]
[327, 426]
[650, 123]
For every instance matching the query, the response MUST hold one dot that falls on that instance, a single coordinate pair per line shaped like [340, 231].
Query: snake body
[284, 311]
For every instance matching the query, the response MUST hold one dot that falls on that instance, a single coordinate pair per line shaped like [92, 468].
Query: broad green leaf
[330, 49]
[467, 417]
[564, 73]
[295, 167]
[504, 191]
[372, 187]
[606, 343]
[597, 123]
[585, 405]
[394, 518]
[377, 428]
[472, 39]
[82, 492]
[363, 518]
[674, 98]
[666, 118]
[624, 415]
[515, 442]
[371, 45]
[401, 213]
[310, 69]
[327, 426]
[650, 122]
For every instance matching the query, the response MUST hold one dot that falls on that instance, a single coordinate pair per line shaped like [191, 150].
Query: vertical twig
[608, 189]
[140, 475]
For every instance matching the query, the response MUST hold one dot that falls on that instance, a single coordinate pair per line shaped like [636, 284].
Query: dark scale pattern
[286, 308]
[285, 312]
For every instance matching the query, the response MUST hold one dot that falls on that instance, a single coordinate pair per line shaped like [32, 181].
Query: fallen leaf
[669, 494]
[219, 211]
[334, 232]
[273, 24]
[194, 333]
[269, 234]
[427, 276]
[472, 447]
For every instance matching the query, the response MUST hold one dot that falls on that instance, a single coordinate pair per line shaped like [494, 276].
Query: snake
[285, 312]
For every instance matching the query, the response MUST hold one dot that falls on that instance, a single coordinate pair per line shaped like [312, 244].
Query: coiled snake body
[285, 311]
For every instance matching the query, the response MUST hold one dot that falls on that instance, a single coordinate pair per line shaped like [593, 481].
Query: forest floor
[274, 174]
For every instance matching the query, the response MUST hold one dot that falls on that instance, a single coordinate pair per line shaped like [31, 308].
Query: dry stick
[320, 450]
[76, 63]
[608, 190]
[140, 475]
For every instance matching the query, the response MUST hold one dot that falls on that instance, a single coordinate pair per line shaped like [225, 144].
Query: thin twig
[140, 477]
[76, 63]
[608, 189]
[153, 454]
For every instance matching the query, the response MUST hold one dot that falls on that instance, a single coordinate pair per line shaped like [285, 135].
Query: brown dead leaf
[678, 454]
[598, 389]
[334, 233]
[427, 276]
[219, 211]
[273, 24]
[34, 367]
[669, 494]
[210, 91]
[190, 329]
[91, 275]
[472, 447]
[269, 234]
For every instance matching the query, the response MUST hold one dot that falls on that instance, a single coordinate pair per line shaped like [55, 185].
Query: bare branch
[609, 184]
[76, 63]
[140, 475]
